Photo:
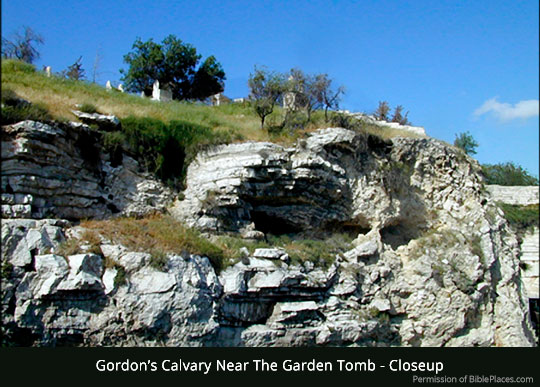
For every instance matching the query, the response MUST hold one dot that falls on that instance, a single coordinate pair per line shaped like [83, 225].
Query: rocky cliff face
[60, 171]
[433, 263]
[516, 195]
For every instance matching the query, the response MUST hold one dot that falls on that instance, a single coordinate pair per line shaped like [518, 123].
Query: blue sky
[456, 66]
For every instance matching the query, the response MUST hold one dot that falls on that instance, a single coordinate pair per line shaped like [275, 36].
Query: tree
[265, 89]
[507, 174]
[22, 46]
[174, 65]
[382, 111]
[331, 97]
[466, 142]
[399, 117]
[75, 71]
[307, 90]
[203, 84]
[313, 92]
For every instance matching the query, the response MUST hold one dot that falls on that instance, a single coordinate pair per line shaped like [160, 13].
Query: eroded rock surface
[60, 171]
[433, 264]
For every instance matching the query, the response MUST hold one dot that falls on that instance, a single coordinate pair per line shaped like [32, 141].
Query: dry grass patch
[158, 235]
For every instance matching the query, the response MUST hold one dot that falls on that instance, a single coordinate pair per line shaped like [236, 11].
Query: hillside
[60, 96]
[327, 236]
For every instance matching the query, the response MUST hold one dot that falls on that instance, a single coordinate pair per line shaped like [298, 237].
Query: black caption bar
[406, 366]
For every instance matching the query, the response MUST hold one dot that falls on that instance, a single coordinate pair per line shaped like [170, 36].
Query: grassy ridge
[59, 96]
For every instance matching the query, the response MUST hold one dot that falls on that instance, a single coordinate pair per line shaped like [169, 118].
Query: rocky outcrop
[528, 239]
[78, 300]
[516, 195]
[103, 121]
[417, 130]
[60, 171]
[335, 178]
[530, 262]
[433, 264]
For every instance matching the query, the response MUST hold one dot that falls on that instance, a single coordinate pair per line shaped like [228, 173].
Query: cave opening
[270, 224]
[399, 235]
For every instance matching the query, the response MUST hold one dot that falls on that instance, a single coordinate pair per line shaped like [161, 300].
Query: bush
[146, 137]
[166, 150]
[507, 174]
[113, 143]
[345, 121]
[466, 142]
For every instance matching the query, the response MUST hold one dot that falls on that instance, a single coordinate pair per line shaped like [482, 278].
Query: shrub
[507, 174]
[113, 143]
[145, 137]
[382, 111]
[167, 149]
[345, 121]
[466, 142]
[14, 114]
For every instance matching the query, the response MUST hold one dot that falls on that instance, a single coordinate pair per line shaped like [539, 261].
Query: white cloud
[505, 111]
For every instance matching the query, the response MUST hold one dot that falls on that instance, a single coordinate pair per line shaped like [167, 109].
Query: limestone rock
[104, 121]
[270, 254]
[39, 158]
[433, 264]
[85, 272]
[516, 195]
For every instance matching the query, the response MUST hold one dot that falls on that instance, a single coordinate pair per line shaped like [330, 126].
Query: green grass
[88, 108]
[321, 252]
[158, 235]
[521, 217]
[59, 96]
[161, 235]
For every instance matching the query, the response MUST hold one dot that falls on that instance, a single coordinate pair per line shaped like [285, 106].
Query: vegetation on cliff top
[59, 96]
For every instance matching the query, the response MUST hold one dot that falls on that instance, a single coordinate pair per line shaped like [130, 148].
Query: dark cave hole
[398, 235]
[113, 208]
[269, 224]
[379, 145]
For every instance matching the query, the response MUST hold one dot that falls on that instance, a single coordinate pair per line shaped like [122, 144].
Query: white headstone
[216, 99]
[108, 85]
[161, 94]
[121, 88]
[155, 91]
[48, 71]
[289, 101]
